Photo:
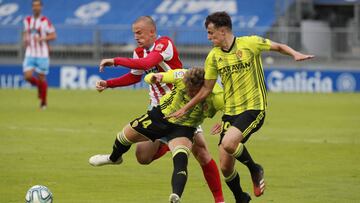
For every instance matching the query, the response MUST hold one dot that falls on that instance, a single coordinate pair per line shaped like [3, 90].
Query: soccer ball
[38, 194]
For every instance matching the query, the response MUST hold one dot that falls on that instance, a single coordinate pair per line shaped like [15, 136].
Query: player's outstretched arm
[152, 59]
[105, 62]
[148, 62]
[205, 91]
[169, 76]
[100, 85]
[285, 49]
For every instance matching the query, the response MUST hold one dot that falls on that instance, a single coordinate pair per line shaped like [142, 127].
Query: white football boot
[174, 198]
[103, 159]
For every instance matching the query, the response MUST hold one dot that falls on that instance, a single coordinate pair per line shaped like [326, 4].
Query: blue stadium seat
[109, 22]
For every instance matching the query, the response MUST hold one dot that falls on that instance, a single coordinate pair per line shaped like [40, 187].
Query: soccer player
[38, 31]
[179, 133]
[237, 60]
[159, 54]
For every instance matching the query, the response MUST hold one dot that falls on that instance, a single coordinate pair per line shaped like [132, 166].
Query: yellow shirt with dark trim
[241, 73]
[178, 97]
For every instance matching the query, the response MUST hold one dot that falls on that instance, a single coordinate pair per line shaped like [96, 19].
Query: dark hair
[33, 1]
[194, 77]
[219, 19]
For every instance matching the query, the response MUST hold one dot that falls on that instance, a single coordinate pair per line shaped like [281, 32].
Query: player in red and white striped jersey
[158, 54]
[38, 31]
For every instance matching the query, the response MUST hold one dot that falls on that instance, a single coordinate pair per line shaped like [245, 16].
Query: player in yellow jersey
[179, 132]
[237, 60]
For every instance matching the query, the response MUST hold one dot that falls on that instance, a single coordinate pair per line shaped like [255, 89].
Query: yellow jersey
[178, 97]
[241, 73]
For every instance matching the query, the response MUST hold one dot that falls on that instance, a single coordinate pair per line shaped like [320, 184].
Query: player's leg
[42, 69]
[232, 178]
[208, 165]
[28, 76]
[148, 151]
[28, 70]
[122, 144]
[249, 122]
[180, 148]
[42, 90]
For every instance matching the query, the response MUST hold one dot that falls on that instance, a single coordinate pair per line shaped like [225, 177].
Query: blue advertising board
[277, 80]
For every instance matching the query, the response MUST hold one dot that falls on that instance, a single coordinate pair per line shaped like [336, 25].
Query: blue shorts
[41, 65]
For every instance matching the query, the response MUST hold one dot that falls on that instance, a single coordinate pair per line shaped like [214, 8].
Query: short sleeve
[165, 48]
[49, 27]
[26, 25]
[211, 72]
[258, 44]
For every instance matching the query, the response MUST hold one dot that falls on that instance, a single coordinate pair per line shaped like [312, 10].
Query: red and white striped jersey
[36, 28]
[165, 46]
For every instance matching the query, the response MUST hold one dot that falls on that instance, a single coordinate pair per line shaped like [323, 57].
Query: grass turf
[309, 147]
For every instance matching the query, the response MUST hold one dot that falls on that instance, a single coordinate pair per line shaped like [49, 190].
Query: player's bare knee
[142, 158]
[27, 76]
[229, 146]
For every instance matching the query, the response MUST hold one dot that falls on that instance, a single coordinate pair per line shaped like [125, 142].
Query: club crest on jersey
[159, 47]
[239, 54]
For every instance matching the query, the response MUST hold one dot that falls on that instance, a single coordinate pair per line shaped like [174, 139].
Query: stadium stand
[89, 30]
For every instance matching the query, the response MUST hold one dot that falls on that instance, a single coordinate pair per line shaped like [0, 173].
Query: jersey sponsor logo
[159, 47]
[235, 68]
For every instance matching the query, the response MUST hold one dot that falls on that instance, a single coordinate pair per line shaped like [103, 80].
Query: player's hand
[39, 39]
[156, 78]
[302, 57]
[178, 114]
[105, 62]
[101, 85]
[26, 42]
[216, 129]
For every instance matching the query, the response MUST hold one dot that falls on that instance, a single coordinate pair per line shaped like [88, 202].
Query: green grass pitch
[309, 147]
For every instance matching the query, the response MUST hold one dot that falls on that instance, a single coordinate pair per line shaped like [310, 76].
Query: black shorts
[153, 126]
[247, 122]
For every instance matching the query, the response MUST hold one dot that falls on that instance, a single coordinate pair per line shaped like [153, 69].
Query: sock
[163, 149]
[34, 81]
[121, 145]
[43, 91]
[179, 176]
[233, 182]
[242, 155]
[212, 177]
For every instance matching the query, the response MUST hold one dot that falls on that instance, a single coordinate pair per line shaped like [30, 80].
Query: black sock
[118, 150]
[246, 159]
[179, 176]
[234, 185]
